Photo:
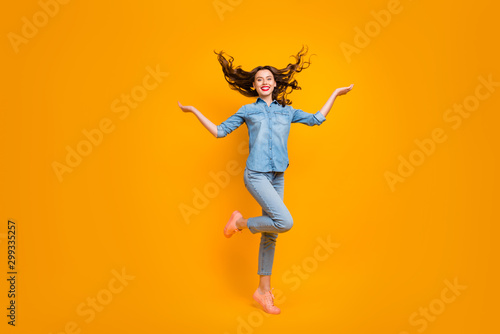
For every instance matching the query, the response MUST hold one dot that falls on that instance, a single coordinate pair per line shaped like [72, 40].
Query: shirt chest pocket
[255, 117]
[282, 118]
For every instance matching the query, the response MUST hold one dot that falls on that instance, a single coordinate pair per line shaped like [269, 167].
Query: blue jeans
[267, 189]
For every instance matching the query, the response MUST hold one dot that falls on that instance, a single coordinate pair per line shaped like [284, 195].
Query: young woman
[268, 120]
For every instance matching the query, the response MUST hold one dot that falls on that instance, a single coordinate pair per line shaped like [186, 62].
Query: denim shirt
[268, 129]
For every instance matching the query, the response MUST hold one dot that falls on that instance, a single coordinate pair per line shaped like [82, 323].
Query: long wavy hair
[242, 81]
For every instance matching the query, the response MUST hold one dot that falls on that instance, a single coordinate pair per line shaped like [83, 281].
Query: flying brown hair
[241, 80]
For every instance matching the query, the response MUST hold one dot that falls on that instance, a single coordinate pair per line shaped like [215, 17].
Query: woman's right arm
[211, 127]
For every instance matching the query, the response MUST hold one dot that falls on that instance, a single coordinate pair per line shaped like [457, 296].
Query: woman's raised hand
[328, 105]
[343, 90]
[186, 108]
[205, 121]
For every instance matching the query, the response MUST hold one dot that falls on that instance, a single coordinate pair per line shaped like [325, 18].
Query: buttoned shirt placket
[269, 118]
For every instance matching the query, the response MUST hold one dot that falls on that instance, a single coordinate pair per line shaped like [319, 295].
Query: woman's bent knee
[285, 223]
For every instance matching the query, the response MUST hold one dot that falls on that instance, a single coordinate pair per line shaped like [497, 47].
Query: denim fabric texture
[268, 130]
[268, 189]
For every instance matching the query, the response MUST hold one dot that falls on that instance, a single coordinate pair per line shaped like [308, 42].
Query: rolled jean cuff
[264, 274]
[250, 226]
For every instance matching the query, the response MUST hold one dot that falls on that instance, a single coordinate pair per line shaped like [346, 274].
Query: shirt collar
[259, 99]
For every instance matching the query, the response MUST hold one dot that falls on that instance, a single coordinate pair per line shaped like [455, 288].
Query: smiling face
[264, 83]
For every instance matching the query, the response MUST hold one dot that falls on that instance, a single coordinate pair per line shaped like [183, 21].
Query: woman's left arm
[328, 105]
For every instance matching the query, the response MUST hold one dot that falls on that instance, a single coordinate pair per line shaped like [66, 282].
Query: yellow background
[120, 208]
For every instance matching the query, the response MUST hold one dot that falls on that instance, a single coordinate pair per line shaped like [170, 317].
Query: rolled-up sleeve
[232, 123]
[303, 117]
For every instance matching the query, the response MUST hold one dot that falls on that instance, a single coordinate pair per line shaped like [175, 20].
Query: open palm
[343, 90]
[185, 108]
